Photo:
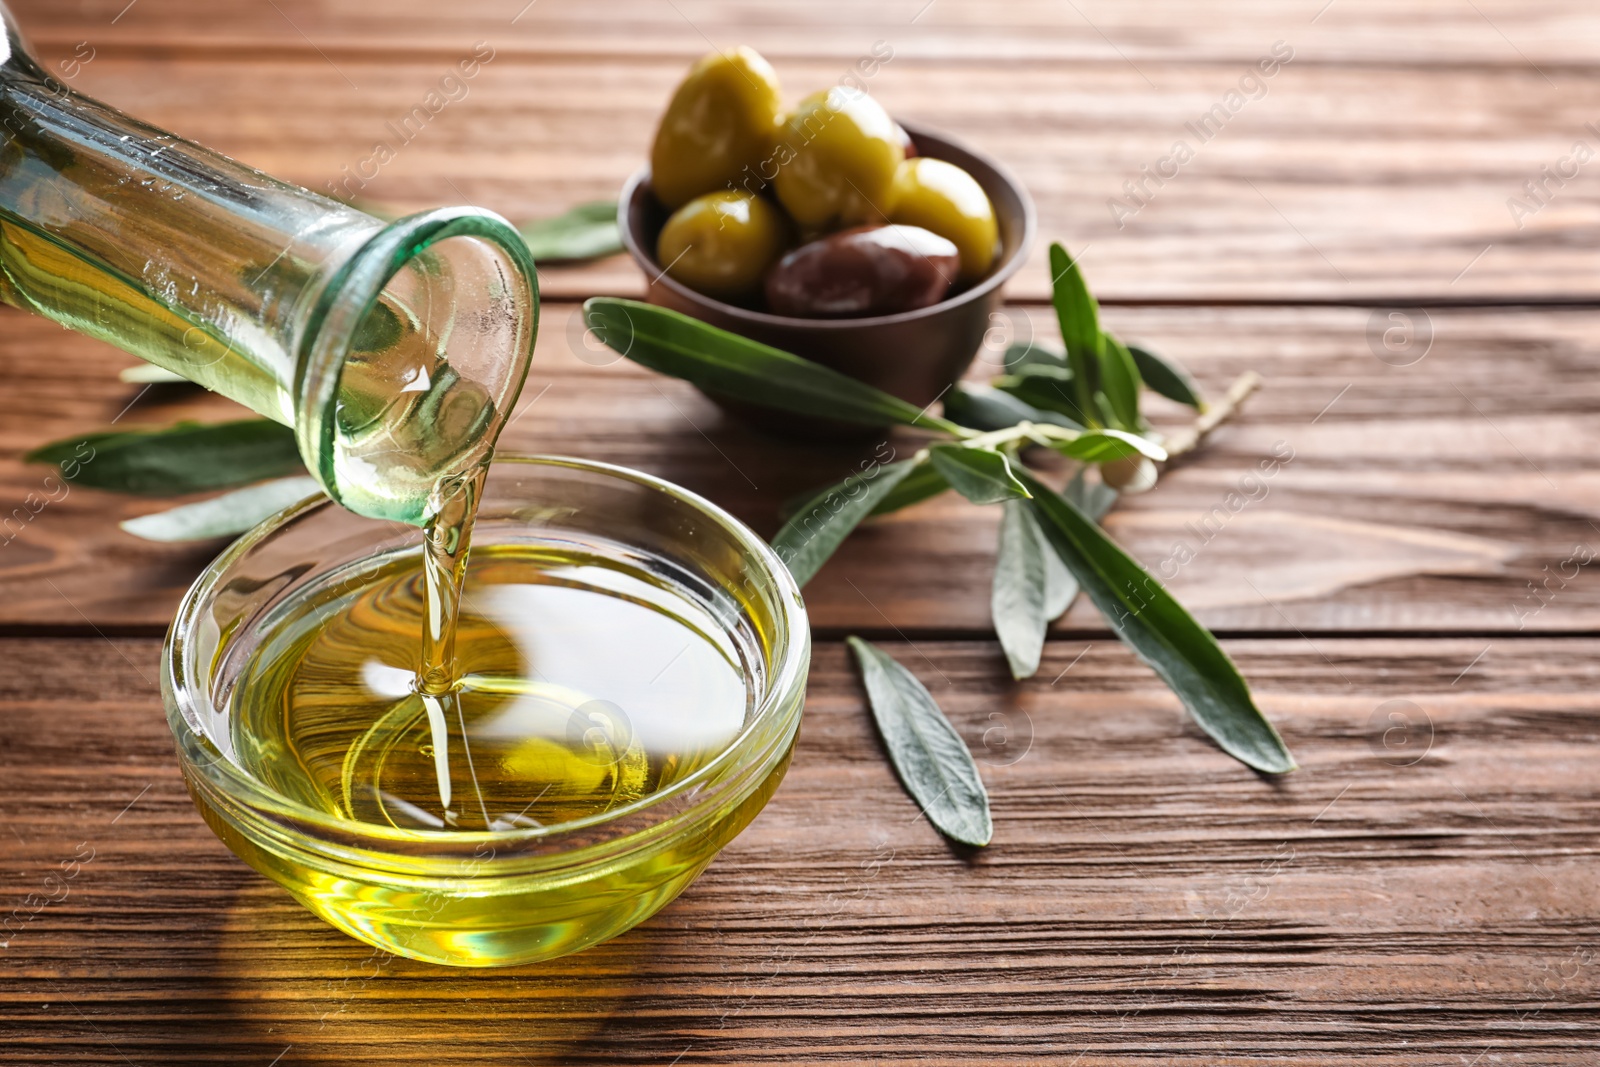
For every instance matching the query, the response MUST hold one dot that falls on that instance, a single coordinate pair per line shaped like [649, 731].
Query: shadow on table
[289, 983]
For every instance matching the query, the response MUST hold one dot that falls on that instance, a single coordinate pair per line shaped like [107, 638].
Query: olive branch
[1082, 403]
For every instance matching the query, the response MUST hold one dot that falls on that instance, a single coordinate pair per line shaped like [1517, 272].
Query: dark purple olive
[869, 270]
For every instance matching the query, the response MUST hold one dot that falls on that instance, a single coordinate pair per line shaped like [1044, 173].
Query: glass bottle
[394, 350]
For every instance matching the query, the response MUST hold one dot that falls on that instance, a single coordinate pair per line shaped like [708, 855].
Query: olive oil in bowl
[620, 699]
[582, 686]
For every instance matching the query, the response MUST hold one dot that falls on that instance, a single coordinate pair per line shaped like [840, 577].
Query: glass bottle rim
[343, 304]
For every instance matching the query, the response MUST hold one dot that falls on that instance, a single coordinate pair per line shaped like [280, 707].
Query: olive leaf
[1101, 446]
[1083, 403]
[587, 231]
[1032, 587]
[982, 475]
[1094, 499]
[923, 482]
[818, 526]
[932, 761]
[222, 516]
[1145, 616]
[1119, 383]
[1038, 360]
[1079, 317]
[185, 458]
[1019, 599]
[1020, 355]
[1167, 378]
[1045, 387]
[986, 408]
[1060, 587]
[726, 364]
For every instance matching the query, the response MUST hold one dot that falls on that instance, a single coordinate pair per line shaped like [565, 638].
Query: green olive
[719, 129]
[945, 199]
[721, 244]
[836, 160]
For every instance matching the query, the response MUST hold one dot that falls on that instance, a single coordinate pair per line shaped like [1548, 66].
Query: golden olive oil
[511, 756]
[555, 685]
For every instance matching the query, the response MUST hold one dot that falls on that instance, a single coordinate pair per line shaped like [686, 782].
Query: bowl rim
[639, 184]
[182, 679]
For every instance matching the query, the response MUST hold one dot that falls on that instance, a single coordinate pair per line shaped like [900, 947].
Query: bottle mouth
[414, 354]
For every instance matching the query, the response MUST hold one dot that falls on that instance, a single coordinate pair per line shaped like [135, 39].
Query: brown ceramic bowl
[915, 355]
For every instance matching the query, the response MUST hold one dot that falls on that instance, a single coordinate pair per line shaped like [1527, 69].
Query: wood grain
[1339, 184]
[1550, 33]
[1145, 897]
[1400, 594]
[1419, 498]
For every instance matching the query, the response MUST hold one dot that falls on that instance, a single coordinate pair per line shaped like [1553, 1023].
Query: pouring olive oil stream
[394, 350]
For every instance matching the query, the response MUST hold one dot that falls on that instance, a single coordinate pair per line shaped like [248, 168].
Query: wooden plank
[1420, 498]
[1342, 183]
[1551, 33]
[1145, 897]
[1420, 892]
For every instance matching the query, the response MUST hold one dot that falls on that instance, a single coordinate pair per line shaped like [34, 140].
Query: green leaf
[1023, 354]
[1044, 388]
[588, 231]
[1060, 587]
[1079, 317]
[929, 756]
[982, 475]
[1032, 587]
[1092, 498]
[1099, 446]
[150, 374]
[1167, 378]
[1020, 597]
[185, 458]
[922, 483]
[984, 408]
[1145, 616]
[1056, 373]
[820, 525]
[222, 516]
[728, 365]
[1119, 383]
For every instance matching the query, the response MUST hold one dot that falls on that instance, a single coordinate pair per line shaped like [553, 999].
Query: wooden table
[1422, 891]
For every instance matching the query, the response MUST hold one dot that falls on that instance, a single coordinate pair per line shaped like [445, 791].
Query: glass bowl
[509, 895]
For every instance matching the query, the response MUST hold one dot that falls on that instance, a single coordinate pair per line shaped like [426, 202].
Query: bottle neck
[394, 350]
